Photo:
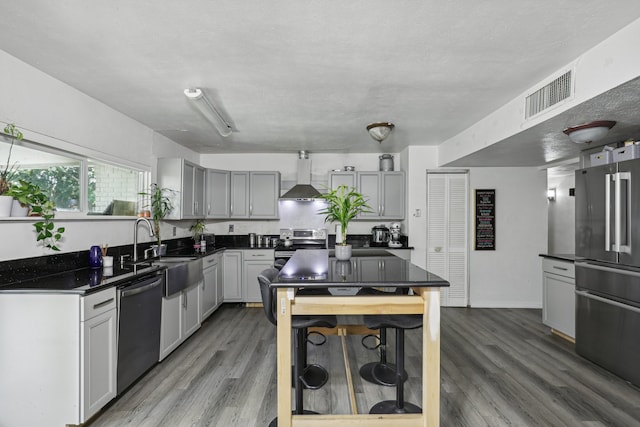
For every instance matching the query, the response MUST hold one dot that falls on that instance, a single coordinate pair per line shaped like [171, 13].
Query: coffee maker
[394, 231]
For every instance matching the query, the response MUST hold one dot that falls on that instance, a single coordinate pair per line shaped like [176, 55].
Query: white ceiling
[311, 75]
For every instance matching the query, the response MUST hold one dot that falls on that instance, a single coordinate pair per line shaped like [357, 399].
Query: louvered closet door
[447, 233]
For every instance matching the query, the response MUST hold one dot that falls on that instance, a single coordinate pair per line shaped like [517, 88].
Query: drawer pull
[103, 303]
[560, 268]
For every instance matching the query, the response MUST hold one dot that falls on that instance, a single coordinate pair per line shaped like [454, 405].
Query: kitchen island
[316, 269]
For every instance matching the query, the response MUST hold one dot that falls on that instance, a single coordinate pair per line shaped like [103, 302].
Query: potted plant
[160, 205]
[30, 196]
[7, 171]
[343, 205]
[25, 195]
[197, 231]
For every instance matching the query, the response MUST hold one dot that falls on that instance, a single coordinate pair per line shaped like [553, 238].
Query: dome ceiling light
[380, 131]
[589, 132]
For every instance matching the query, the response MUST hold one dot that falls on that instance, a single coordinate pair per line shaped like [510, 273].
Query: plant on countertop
[198, 230]
[9, 169]
[28, 194]
[343, 205]
[160, 204]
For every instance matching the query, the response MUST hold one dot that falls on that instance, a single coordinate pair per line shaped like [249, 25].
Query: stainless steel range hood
[303, 191]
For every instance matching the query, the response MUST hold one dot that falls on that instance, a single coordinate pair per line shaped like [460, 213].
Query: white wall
[417, 161]
[510, 276]
[604, 67]
[562, 215]
[52, 113]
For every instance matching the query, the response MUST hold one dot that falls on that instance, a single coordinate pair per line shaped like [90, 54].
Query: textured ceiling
[309, 75]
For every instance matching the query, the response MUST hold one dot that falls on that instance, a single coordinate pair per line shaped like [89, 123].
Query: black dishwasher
[139, 318]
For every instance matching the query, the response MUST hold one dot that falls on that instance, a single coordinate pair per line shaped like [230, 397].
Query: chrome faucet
[135, 235]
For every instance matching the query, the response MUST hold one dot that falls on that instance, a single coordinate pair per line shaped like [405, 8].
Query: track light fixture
[196, 95]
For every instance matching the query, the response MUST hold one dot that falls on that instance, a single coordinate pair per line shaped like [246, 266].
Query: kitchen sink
[181, 273]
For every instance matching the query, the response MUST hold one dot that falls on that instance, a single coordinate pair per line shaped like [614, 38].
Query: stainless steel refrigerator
[608, 267]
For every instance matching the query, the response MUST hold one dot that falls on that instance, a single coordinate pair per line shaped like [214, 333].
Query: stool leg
[300, 345]
[381, 372]
[398, 406]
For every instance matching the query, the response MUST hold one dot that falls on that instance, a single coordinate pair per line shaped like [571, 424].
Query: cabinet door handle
[250, 209]
[560, 268]
[209, 209]
[231, 210]
[382, 212]
[103, 303]
[184, 301]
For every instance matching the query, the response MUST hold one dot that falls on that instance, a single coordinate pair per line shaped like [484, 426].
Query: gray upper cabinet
[264, 193]
[255, 194]
[239, 195]
[337, 179]
[217, 196]
[385, 194]
[187, 181]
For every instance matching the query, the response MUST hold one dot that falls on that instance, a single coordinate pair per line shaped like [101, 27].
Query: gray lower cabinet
[558, 294]
[180, 318]
[241, 269]
[254, 194]
[255, 260]
[212, 285]
[61, 369]
[232, 273]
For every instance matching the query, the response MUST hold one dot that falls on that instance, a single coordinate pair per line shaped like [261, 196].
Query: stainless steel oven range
[292, 239]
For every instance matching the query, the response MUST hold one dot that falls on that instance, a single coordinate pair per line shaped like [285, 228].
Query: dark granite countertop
[317, 268]
[69, 272]
[80, 281]
[561, 257]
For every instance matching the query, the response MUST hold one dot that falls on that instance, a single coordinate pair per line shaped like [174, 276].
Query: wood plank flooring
[500, 367]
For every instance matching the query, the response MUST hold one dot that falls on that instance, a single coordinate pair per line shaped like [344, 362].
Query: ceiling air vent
[548, 95]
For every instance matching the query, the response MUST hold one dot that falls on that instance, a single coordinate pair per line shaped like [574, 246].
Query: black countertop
[80, 281]
[317, 268]
[68, 272]
[561, 257]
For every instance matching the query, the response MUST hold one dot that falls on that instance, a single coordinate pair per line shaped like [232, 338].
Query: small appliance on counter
[379, 235]
[395, 236]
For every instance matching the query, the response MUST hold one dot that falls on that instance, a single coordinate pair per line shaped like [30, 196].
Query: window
[75, 183]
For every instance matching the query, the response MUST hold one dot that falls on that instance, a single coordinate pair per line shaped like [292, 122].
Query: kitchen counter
[561, 257]
[319, 268]
[315, 268]
[79, 281]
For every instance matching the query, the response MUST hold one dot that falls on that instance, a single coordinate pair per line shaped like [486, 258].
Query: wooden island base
[426, 301]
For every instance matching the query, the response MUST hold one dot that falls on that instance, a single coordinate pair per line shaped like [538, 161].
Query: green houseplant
[197, 230]
[31, 196]
[343, 205]
[160, 205]
[7, 171]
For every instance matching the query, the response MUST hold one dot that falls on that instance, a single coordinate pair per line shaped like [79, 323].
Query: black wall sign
[485, 220]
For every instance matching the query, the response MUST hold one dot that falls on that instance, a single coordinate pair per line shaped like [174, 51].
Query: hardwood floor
[500, 367]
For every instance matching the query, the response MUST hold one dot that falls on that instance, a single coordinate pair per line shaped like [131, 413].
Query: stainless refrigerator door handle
[616, 219]
[607, 212]
[623, 176]
[608, 301]
[607, 269]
